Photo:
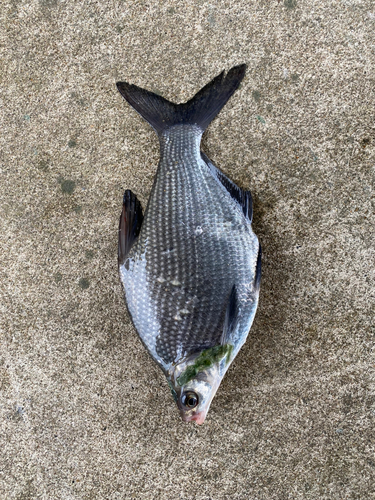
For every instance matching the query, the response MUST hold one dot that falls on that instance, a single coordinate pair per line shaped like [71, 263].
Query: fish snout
[198, 417]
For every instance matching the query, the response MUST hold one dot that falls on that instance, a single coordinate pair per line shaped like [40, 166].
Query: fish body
[190, 267]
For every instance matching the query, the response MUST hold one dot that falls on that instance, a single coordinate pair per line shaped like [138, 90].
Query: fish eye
[190, 399]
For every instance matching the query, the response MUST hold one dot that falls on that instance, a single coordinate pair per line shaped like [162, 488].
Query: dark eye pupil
[190, 400]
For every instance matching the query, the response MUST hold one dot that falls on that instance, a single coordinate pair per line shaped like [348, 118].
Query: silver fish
[191, 266]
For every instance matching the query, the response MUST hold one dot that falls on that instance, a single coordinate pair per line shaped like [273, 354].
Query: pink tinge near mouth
[199, 418]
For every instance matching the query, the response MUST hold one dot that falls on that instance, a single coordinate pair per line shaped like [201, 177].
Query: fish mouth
[198, 418]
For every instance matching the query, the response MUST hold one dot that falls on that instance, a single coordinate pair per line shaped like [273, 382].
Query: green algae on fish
[205, 360]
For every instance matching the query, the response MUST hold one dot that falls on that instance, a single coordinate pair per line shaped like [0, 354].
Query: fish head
[195, 397]
[195, 380]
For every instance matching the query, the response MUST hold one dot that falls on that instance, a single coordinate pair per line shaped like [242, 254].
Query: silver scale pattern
[194, 244]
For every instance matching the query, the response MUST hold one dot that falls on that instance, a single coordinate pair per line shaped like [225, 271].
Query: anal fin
[242, 197]
[130, 224]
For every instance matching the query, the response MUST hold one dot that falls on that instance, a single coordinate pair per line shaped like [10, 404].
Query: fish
[190, 265]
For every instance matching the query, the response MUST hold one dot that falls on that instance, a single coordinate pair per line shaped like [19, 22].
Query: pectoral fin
[231, 316]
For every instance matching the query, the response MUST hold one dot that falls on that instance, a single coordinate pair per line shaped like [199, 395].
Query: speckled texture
[84, 412]
[194, 245]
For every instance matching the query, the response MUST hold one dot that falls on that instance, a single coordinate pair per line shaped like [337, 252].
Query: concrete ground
[84, 412]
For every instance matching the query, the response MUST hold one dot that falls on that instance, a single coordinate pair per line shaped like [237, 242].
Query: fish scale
[190, 266]
[178, 189]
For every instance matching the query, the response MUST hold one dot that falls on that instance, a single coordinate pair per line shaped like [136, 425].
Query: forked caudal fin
[200, 110]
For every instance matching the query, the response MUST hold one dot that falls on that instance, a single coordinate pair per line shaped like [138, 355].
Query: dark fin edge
[200, 110]
[130, 224]
[258, 271]
[242, 197]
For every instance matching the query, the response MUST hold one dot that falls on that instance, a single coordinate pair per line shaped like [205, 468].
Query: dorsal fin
[242, 197]
[130, 224]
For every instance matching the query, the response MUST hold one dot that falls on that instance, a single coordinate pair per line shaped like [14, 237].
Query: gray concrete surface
[84, 413]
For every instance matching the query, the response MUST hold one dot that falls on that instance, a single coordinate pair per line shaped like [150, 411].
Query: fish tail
[162, 114]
